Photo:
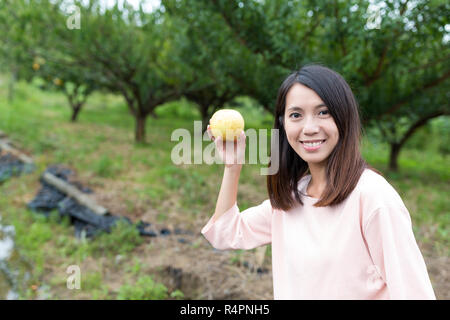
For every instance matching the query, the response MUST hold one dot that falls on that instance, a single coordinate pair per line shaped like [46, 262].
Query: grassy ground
[141, 182]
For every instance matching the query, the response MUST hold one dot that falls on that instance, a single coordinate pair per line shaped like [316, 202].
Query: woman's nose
[310, 126]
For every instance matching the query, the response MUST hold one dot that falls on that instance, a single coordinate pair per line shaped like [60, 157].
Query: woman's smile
[312, 146]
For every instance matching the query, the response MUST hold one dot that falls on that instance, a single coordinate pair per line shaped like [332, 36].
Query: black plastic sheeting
[87, 223]
[12, 166]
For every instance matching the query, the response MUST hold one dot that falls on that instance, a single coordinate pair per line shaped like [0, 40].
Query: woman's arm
[248, 229]
[228, 228]
[396, 255]
[228, 190]
[232, 154]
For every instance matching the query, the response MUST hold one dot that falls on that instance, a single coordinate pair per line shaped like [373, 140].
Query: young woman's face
[307, 119]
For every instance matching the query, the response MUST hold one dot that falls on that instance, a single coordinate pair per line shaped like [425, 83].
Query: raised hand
[231, 153]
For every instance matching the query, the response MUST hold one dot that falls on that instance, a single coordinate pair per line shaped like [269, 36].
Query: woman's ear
[280, 119]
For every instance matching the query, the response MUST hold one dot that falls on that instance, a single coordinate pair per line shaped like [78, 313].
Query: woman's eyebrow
[299, 108]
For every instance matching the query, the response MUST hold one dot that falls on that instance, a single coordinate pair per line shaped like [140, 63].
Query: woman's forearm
[228, 190]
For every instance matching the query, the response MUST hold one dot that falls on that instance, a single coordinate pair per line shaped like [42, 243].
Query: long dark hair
[345, 163]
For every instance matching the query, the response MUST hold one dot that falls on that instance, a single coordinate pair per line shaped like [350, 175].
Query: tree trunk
[396, 147]
[153, 114]
[205, 122]
[393, 157]
[205, 117]
[75, 111]
[11, 85]
[140, 128]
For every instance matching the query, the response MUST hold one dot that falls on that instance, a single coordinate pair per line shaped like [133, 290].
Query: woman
[338, 229]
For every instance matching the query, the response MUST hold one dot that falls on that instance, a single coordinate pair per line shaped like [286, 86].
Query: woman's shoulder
[371, 180]
[375, 191]
[371, 177]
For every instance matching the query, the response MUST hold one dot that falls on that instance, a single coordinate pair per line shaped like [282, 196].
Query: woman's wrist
[233, 167]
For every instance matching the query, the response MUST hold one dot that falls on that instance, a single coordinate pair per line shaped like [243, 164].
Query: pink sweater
[362, 249]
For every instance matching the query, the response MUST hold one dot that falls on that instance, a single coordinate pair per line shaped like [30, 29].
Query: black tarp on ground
[86, 222]
[12, 166]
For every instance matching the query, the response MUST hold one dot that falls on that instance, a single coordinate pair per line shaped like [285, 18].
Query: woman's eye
[297, 115]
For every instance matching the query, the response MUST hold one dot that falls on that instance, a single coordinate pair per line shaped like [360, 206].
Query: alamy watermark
[182, 153]
[74, 19]
[74, 278]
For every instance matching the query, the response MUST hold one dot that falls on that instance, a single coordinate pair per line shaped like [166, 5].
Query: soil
[187, 261]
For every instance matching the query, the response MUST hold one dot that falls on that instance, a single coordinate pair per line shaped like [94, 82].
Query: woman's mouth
[312, 145]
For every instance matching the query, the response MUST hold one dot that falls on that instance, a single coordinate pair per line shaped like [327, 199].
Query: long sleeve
[396, 255]
[248, 229]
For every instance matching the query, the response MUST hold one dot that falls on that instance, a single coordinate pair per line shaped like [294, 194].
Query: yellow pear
[226, 123]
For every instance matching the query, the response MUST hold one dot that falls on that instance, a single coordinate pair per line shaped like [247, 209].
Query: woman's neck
[318, 181]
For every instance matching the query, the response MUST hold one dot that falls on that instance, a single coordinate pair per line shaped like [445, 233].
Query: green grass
[122, 239]
[145, 288]
[100, 148]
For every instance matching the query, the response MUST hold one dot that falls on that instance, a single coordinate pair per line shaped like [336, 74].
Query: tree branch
[338, 27]
[410, 97]
[421, 122]
[369, 80]
[427, 65]
[231, 27]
